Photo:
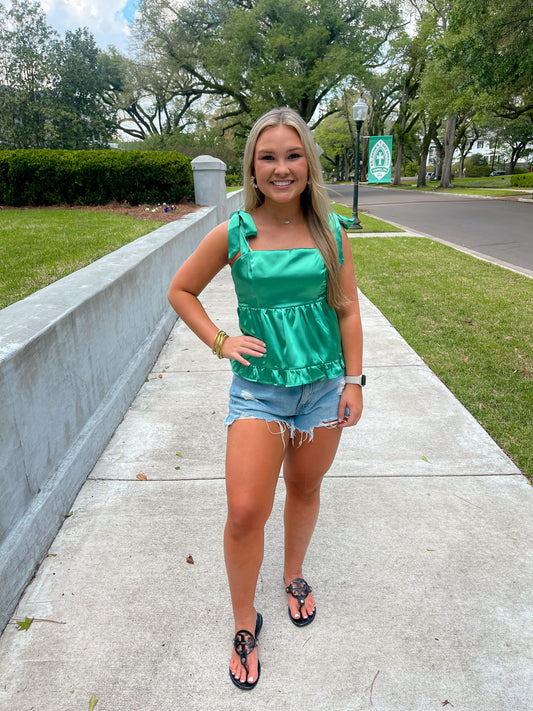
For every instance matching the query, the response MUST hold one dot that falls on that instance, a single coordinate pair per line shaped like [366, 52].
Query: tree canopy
[255, 54]
[51, 89]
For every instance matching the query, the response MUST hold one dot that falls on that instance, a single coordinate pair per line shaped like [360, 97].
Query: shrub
[522, 180]
[411, 168]
[233, 179]
[54, 177]
[477, 171]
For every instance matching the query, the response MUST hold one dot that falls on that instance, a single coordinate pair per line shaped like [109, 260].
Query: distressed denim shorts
[298, 408]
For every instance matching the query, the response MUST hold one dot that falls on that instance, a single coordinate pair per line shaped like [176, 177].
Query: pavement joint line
[328, 476]
[425, 476]
[156, 481]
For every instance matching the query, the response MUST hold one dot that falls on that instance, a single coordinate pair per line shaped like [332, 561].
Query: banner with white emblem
[380, 159]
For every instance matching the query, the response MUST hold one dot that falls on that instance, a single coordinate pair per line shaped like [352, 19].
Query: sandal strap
[244, 643]
[299, 589]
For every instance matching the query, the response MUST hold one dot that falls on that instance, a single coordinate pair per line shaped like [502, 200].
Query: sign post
[380, 159]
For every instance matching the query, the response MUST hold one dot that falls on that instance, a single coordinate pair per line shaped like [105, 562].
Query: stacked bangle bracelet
[217, 344]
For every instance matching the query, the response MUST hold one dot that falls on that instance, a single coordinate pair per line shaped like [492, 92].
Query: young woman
[297, 363]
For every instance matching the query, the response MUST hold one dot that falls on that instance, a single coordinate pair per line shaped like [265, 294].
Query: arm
[191, 279]
[351, 339]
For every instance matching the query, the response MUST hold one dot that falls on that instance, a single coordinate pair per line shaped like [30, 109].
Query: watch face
[363, 379]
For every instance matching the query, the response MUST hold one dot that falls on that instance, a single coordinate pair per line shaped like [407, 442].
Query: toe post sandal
[244, 643]
[299, 589]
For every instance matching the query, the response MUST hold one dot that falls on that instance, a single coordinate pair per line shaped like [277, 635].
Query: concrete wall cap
[205, 162]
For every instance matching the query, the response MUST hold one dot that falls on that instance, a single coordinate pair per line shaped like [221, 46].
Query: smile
[282, 183]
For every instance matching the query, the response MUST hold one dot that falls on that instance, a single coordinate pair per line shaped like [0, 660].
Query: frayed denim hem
[285, 427]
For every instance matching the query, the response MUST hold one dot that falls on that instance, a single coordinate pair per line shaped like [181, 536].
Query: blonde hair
[314, 199]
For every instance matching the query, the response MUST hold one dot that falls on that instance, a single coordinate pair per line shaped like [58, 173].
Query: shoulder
[218, 235]
[214, 246]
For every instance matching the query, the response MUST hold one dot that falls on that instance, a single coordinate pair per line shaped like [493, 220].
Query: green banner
[380, 159]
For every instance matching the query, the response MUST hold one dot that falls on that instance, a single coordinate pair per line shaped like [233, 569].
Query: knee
[245, 517]
[304, 488]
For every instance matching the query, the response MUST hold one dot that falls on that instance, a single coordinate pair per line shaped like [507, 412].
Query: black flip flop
[299, 589]
[244, 643]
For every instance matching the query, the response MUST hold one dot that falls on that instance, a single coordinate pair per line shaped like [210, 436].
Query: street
[499, 229]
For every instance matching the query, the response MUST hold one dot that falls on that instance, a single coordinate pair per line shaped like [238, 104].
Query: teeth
[281, 183]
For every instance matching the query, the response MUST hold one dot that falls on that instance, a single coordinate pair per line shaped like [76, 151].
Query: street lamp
[360, 110]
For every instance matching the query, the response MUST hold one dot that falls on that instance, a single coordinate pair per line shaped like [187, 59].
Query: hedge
[522, 180]
[55, 177]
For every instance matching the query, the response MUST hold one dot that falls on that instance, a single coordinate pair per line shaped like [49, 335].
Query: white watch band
[355, 380]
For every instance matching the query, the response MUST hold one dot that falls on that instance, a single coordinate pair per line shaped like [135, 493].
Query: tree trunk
[449, 145]
[397, 179]
[424, 150]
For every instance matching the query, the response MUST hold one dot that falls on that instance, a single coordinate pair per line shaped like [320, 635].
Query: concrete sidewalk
[421, 563]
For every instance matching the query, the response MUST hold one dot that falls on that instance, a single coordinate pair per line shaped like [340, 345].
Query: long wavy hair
[314, 199]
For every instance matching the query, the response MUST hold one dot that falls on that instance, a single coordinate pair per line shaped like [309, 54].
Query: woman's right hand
[235, 347]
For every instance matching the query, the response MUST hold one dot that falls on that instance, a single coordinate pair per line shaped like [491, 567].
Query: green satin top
[282, 301]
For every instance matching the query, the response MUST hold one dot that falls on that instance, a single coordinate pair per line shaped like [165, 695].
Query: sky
[107, 20]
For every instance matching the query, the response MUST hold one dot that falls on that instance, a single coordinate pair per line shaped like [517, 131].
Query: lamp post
[360, 110]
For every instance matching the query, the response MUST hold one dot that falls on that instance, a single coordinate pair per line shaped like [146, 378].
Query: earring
[309, 184]
[254, 184]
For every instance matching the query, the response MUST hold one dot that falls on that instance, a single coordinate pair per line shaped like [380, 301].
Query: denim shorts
[298, 408]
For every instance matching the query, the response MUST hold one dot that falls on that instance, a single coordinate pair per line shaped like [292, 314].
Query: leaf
[179, 454]
[177, 467]
[69, 514]
[92, 702]
[142, 477]
[26, 624]
[190, 560]
[425, 459]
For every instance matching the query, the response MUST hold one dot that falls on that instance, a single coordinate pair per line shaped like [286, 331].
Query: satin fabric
[282, 301]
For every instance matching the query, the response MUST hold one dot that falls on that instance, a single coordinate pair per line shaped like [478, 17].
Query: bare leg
[254, 456]
[304, 468]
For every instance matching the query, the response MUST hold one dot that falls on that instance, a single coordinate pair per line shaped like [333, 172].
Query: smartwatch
[355, 380]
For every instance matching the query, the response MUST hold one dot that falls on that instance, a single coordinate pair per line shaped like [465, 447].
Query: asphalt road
[498, 229]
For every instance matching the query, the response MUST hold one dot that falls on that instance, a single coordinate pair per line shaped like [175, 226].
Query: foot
[308, 609]
[236, 668]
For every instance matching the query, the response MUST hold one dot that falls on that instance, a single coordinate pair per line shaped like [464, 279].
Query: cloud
[107, 20]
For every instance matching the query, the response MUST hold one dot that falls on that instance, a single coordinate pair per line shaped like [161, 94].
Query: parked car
[431, 176]
[499, 172]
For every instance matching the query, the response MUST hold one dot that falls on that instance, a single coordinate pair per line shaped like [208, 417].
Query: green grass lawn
[37, 247]
[471, 322]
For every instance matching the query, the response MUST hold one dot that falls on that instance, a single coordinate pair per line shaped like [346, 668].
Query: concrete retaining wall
[72, 358]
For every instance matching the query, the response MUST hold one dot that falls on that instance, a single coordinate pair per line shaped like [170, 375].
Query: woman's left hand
[350, 406]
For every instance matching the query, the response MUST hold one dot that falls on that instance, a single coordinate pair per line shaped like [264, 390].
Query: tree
[515, 135]
[27, 45]
[255, 54]
[335, 136]
[149, 98]
[413, 51]
[442, 89]
[81, 116]
[52, 91]
[494, 40]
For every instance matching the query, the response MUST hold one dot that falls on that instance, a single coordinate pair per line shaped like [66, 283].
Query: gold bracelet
[217, 343]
